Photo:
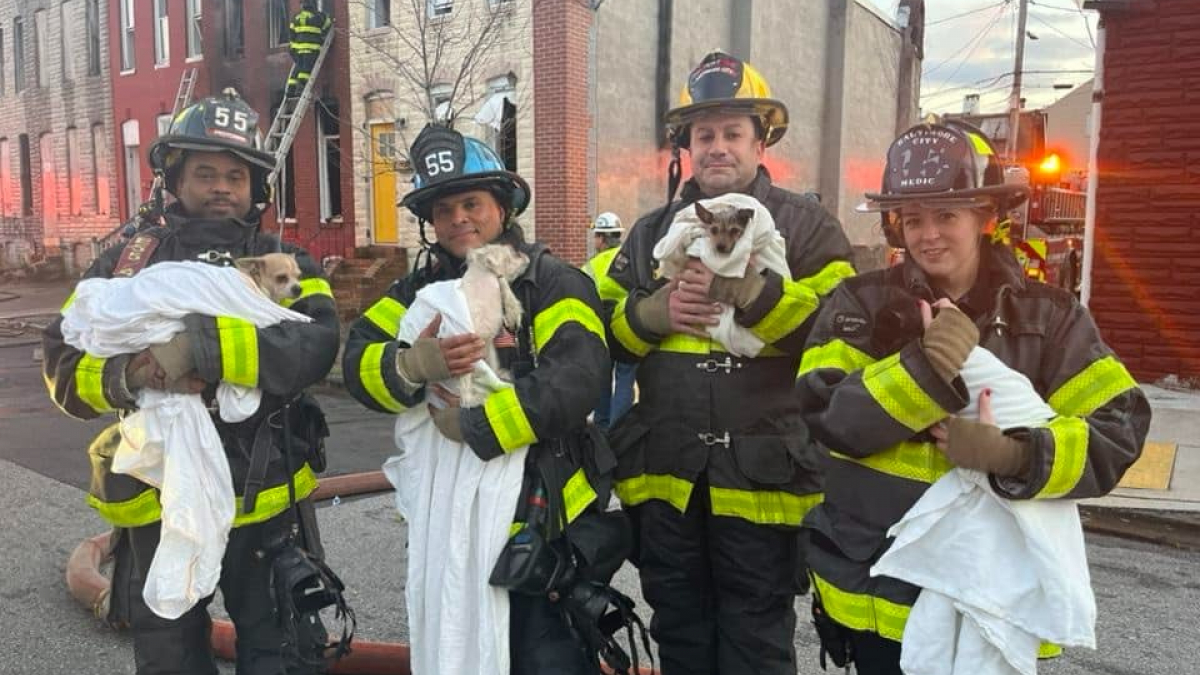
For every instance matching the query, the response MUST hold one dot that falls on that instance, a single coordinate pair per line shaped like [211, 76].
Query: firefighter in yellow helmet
[714, 467]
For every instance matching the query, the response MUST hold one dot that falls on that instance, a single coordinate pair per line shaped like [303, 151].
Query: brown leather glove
[984, 447]
[422, 362]
[140, 372]
[654, 311]
[175, 356]
[446, 420]
[739, 292]
[948, 340]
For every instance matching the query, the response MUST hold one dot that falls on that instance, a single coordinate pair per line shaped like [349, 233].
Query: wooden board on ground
[1153, 469]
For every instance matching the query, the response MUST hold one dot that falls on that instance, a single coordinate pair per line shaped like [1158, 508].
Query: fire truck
[1046, 232]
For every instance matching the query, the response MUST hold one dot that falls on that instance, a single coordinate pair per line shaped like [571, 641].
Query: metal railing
[1063, 207]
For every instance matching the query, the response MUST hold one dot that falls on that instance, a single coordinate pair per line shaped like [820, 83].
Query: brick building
[240, 44]
[595, 82]
[56, 126]
[1146, 274]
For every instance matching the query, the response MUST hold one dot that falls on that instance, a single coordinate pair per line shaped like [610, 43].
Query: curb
[1165, 528]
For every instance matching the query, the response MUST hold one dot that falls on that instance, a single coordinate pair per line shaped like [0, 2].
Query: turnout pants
[722, 589]
[181, 646]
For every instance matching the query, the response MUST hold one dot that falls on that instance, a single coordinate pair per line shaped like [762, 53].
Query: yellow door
[383, 182]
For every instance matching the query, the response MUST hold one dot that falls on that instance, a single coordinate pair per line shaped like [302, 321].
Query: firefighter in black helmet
[714, 468]
[211, 161]
[881, 388]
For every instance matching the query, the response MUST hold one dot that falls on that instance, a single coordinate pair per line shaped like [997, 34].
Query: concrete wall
[81, 102]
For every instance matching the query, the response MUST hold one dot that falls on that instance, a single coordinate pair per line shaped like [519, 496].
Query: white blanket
[998, 576]
[170, 442]
[459, 510]
[686, 238]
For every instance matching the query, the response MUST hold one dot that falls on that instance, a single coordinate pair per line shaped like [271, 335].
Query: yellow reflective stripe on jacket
[624, 334]
[549, 320]
[507, 419]
[665, 487]
[1070, 456]
[682, 343]
[386, 315]
[370, 366]
[274, 501]
[89, 383]
[835, 354]
[860, 611]
[239, 351]
[922, 462]
[1049, 650]
[764, 507]
[68, 302]
[798, 303]
[145, 508]
[895, 390]
[577, 495]
[141, 510]
[1096, 385]
[308, 288]
[597, 269]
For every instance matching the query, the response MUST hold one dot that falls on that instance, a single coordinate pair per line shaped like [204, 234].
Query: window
[73, 173]
[49, 184]
[162, 34]
[127, 43]
[26, 176]
[235, 29]
[1, 65]
[66, 19]
[41, 46]
[93, 37]
[439, 8]
[277, 23]
[100, 168]
[193, 30]
[131, 143]
[329, 160]
[19, 55]
[163, 122]
[5, 178]
[440, 95]
[379, 13]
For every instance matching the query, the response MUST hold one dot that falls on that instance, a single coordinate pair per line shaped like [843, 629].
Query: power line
[970, 43]
[959, 16]
[989, 82]
[1063, 33]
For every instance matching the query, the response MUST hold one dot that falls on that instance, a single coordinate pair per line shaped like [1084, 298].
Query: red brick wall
[563, 122]
[1146, 278]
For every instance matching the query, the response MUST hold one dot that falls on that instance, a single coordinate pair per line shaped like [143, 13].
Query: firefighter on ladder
[308, 28]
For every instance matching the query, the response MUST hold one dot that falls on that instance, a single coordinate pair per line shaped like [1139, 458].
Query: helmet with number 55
[447, 162]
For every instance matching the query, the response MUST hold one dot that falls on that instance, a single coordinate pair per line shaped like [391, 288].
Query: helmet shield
[726, 84]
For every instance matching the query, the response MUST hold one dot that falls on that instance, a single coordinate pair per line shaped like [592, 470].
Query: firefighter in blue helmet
[559, 365]
[211, 161]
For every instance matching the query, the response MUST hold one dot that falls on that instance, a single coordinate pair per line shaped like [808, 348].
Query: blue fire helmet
[446, 163]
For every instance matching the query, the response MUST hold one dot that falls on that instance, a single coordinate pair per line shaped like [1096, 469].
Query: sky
[970, 48]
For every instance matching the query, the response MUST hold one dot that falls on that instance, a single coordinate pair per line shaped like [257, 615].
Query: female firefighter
[880, 385]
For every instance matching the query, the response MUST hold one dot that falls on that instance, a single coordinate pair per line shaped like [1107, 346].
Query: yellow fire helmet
[725, 83]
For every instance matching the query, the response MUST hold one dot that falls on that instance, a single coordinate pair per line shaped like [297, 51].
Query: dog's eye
[280, 278]
[714, 229]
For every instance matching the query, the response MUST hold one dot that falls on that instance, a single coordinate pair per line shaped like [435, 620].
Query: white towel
[998, 576]
[170, 442]
[686, 238]
[459, 510]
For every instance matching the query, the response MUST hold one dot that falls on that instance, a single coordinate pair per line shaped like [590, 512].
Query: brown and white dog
[493, 306]
[277, 275]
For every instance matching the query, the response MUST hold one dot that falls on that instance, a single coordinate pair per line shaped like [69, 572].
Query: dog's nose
[295, 290]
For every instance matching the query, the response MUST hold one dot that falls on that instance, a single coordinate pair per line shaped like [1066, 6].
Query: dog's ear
[704, 214]
[744, 216]
[251, 266]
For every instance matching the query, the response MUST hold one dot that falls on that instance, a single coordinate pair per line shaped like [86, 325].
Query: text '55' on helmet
[726, 84]
[446, 163]
[215, 124]
[948, 164]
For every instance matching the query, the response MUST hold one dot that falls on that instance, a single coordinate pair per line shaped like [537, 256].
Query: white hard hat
[606, 223]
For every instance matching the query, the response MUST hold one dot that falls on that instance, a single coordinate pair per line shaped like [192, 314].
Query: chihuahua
[277, 275]
[724, 225]
[493, 306]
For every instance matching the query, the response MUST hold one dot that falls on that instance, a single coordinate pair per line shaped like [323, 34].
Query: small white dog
[276, 275]
[493, 306]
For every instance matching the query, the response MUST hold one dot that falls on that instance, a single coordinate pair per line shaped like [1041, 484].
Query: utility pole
[1014, 104]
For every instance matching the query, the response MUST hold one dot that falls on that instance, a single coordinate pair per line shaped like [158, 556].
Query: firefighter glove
[741, 292]
[139, 372]
[948, 340]
[422, 362]
[446, 420]
[175, 357]
[984, 447]
[654, 311]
